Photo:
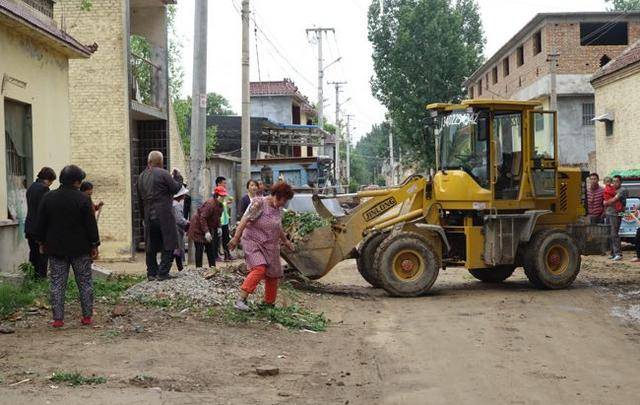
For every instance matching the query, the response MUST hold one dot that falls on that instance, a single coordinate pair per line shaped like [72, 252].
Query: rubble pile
[199, 287]
[297, 225]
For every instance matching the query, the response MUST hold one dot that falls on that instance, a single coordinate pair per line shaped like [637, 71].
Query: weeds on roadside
[33, 289]
[75, 378]
[113, 333]
[292, 317]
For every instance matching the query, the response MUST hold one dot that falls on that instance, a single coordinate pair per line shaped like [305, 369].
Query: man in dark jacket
[67, 231]
[36, 191]
[156, 189]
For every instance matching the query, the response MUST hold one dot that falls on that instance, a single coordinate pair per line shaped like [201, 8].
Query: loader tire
[552, 260]
[407, 264]
[493, 275]
[366, 256]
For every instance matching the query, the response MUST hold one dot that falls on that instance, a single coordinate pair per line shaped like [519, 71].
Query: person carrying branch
[260, 231]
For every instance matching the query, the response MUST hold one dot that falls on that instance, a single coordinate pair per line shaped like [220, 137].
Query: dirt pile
[200, 287]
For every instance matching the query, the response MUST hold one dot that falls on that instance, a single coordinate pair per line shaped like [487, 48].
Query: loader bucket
[316, 254]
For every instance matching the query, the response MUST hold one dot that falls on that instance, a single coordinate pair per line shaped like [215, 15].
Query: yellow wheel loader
[498, 201]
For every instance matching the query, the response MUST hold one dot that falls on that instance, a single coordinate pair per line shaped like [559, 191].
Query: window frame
[506, 69]
[520, 55]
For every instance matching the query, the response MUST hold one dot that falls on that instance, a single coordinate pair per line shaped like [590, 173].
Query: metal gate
[146, 136]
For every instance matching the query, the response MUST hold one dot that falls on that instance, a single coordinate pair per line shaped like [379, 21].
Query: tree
[176, 70]
[624, 5]
[423, 50]
[368, 156]
[216, 105]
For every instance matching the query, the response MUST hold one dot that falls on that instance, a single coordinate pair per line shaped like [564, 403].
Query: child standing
[182, 224]
[87, 188]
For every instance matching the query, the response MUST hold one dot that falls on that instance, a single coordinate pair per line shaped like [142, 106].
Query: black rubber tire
[493, 274]
[395, 245]
[366, 256]
[535, 260]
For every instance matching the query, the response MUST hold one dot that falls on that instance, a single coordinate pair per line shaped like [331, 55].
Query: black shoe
[152, 278]
[166, 277]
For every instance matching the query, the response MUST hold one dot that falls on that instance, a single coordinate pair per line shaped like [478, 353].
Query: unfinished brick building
[521, 69]
[120, 108]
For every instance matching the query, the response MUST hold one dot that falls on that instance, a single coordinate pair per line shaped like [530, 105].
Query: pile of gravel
[191, 286]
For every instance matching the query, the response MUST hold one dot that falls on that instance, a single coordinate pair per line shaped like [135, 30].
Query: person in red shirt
[595, 198]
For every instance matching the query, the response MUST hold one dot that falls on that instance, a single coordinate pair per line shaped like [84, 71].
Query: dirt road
[467, 343]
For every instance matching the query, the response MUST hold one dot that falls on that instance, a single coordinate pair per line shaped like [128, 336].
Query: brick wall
[574, 59]
[100, 116]
[577, 59]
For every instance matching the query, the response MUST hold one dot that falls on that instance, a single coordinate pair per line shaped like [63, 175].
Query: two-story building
[285, 143]
[34, 111]
[581, 43]
[120, 108]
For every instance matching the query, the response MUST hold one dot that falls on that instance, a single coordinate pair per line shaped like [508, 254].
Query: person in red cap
[203, 229]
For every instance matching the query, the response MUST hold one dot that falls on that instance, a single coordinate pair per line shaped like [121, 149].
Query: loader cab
[508, 150]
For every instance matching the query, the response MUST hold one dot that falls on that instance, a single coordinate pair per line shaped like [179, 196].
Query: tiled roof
[630, 56]
[284, 87]
[281, 88]
[17, 15]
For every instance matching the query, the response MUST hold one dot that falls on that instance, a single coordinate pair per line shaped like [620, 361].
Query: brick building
[584, 42]
[34, 112]
[617, 85]
[120, 108]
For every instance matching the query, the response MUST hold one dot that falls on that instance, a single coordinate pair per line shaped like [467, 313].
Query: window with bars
[588, 113]
[43, 6]
[19, 157]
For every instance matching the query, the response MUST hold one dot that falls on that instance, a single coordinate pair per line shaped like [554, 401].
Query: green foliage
[32, 290]
[292, 317]
[142, 71]
[176, 69]
[13, 298]
[297, 225]
[216, 105]
[369, 154]
[75, 378]
[86, 5]
[623, 5]
[423, 50]
[330, 128]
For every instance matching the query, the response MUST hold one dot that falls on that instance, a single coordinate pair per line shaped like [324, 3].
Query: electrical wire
[271, 42]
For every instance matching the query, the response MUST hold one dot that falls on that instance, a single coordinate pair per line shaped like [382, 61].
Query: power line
[271, 42]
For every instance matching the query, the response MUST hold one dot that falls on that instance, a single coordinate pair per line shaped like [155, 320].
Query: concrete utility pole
[318, 33]
[552, 58]
[198, 110]
[338, 130]
[348, 142]
[391, 160]
[246, 101]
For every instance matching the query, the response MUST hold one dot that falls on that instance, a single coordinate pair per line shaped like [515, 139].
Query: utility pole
[552, 58]
[348, 142]
[318, 33]
[245, 130]
[198, 109]
[338, 130]
[391, 160]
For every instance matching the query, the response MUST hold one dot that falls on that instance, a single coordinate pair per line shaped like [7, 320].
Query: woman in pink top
[261, 233]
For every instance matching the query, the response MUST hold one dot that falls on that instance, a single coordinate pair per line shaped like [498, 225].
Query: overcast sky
[284, 50]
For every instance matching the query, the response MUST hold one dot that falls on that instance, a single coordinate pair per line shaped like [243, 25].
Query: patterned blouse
[261, 237]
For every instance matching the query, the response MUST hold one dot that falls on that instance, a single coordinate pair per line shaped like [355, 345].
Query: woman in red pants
[261, 233]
